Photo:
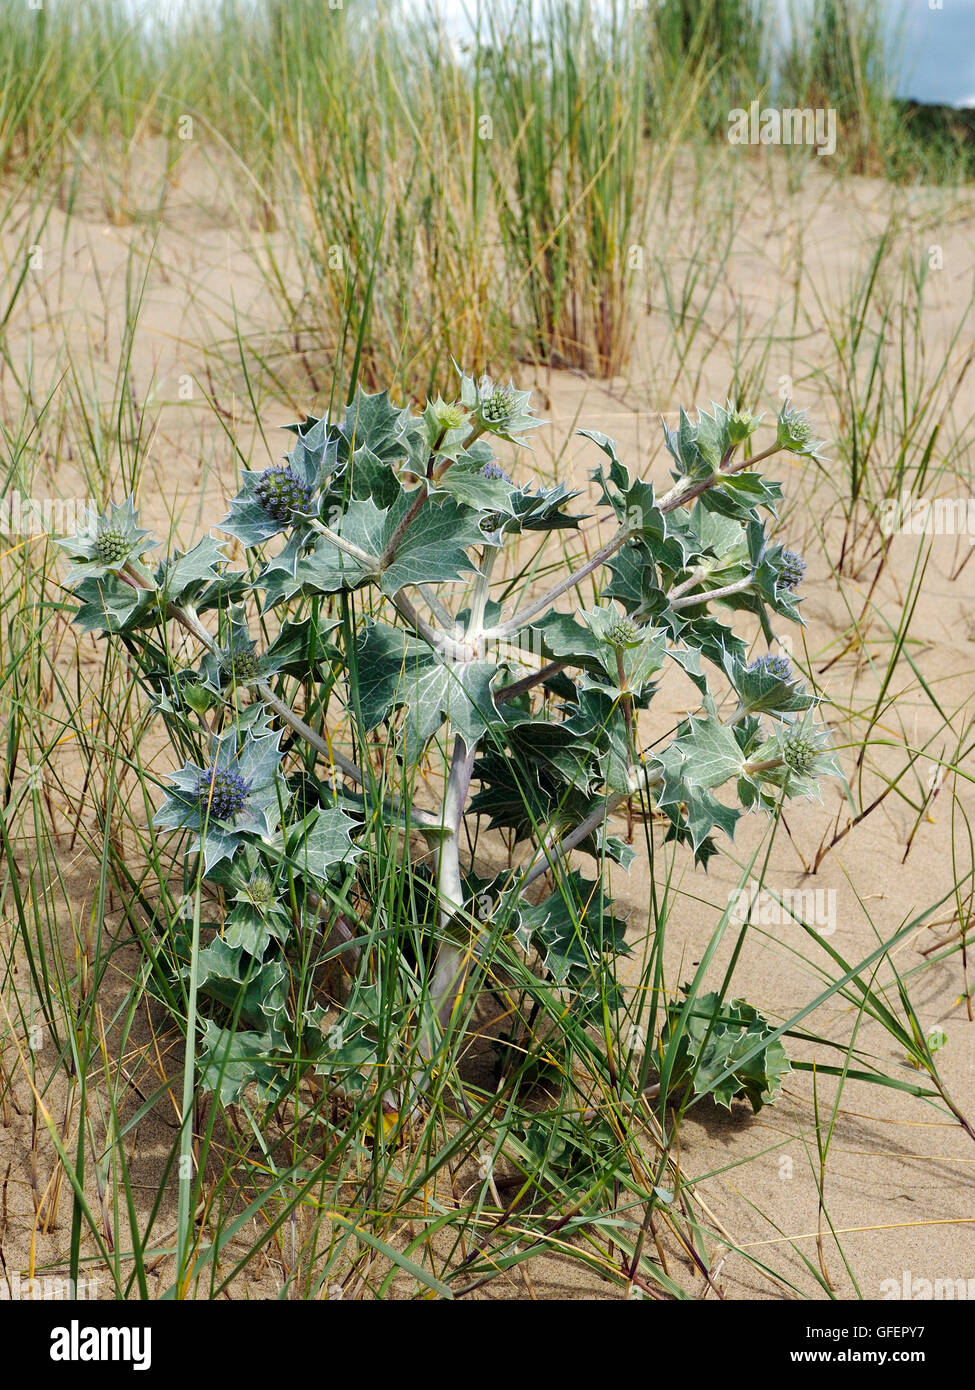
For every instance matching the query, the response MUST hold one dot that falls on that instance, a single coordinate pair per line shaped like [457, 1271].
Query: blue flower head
[221, 792]
[282, 494]
[238, 793]
[792, 569]
[276, 499]
[496, 472]
[777, 666]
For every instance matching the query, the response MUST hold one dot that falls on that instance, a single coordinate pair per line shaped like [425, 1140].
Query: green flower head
[795, 433]
[447, 415]
[106, 543]
[636, 650]
[241, 664]
[498, 403]
[800, 753]
[614, 627]
[446, 427]
[623, 633]
[237, 662]
[260, 891]
[112, 546]
[500, 410]
[741, 424]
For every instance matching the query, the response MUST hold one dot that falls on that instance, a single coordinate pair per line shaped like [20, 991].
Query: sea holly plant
[365, 690]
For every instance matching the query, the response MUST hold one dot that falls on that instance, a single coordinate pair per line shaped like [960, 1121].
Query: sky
[939, 60]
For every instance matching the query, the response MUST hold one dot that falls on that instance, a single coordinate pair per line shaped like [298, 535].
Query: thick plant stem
[369, 563]
[449, 967]
[392, 545]
[689, 583]
[419, 624]
[526, 683]
[443, 615]
[555, 845]
[607, 551]
[445, 982]
[482, 590]
[447, 976]
[448, 971]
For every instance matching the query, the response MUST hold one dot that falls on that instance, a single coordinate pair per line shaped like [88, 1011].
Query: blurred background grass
[480, 192]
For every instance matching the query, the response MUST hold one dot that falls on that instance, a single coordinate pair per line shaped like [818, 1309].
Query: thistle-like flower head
[238, 793]
[741, 424]
[280, 497]
[260, 891]
[222, 792]
[792, 569]
[495, 471]
[282, 493]
[498, 403]
[769, 665]
[500, 410]
[112, 546]
[615, 627]
[237, 662]
[795, 432]
[448, 415]
[636, 650]
[623, 633]
[106, 542]
[242, 665]
[446, 428]
[800, 753]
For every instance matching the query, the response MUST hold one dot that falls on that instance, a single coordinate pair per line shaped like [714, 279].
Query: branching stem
[677, 497]
[368, 562]
[690, 600]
